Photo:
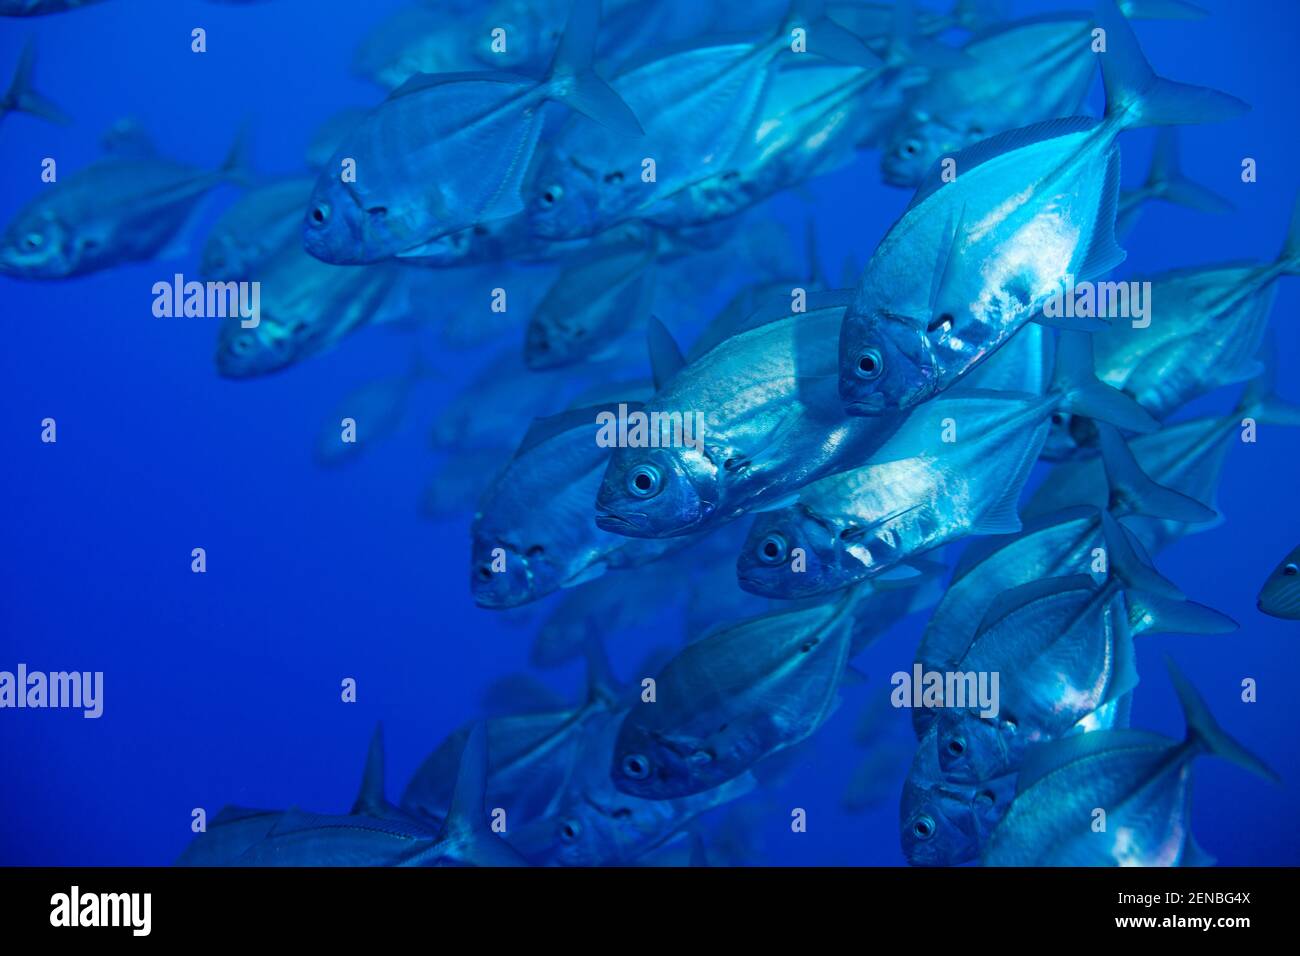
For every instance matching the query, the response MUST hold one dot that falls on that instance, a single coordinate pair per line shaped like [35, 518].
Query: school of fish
[810, 454]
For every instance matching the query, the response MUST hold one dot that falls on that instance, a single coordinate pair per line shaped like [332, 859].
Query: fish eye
[570, 830]
[552, 196]
[636, 767]
[911, 147]
[923, 827]
[956, 746]
[320, 214]
[644, 481]
[870, 364]
[484, 572]
[33, 240]
[241, 345]
[615, 177]
[772, 549]
[535, 550]
[377, 212]
[1058, 418]
[1291, 570]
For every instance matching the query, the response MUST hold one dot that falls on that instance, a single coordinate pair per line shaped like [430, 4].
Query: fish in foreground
[593, 824]
[521, 552]
[21, 97]
[1057, 544]
[125, 207]
[1280, 596]
[1028, 209]
[449, 150]
[867, 522]
[1063, 648]
[944, 823]
[771, 424]
[1142, 780]
[742, 693]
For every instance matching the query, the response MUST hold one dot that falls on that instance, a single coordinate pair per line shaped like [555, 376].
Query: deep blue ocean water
[224, 687]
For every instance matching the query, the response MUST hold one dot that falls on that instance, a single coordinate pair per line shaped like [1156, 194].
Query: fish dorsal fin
[1003, 515]
[1104, 252]
[665, 356]
[544, 429]
[1043, 759]
[126, 139]
[942, 300]
[370, 798]
[995, 146]
[778, 309]
[1013, 599]
[465, 812]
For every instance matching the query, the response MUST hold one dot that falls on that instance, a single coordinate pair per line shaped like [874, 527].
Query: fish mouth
[873, 404]
[753, 585]
[620, 523]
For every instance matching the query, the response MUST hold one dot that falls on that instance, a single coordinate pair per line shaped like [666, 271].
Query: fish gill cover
[723, 433]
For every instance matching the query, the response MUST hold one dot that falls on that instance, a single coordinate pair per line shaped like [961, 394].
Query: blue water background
[224, 687]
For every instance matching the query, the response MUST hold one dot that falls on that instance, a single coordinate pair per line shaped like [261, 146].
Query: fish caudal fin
[1154, 614]
[22, 97]
[1166, 180]
[1133, 492]
[1204, 731]
[1136, 96]
[1074, 377]
[825, 37]
[1260, 400]
[573, 82]
[1128, 567]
